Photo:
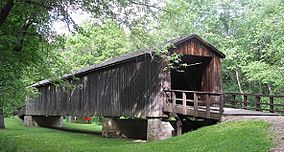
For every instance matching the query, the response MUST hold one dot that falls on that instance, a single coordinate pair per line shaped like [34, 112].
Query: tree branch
[5, 11]
[38, 4]
[23, 32]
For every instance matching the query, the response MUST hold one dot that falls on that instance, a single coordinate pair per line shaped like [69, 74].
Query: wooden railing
[268, 103]
[194, 103]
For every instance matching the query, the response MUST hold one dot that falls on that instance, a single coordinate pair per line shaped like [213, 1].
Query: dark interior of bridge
[190, 77]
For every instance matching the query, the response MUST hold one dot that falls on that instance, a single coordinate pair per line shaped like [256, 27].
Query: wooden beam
[195, 103]
[174, 101]
[179, 127]
[207, 100]
[257, 103]
[245, 102]
[184, 102]
[271, 106]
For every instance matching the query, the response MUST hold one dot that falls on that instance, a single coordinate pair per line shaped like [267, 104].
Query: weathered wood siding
[132, 88]
[211, 80]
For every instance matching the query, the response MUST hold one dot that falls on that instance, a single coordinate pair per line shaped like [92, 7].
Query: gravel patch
[277, 127]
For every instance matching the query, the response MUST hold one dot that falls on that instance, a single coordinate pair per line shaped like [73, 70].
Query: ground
[277, 128]
[229, 136]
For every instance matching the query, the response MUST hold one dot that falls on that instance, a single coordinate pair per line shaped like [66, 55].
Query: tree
[246, 31]
[26, 38]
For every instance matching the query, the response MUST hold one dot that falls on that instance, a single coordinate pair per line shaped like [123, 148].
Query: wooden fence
[266, 103]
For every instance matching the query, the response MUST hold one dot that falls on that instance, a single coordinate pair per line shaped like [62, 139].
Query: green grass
[225, 137]
[88, 127]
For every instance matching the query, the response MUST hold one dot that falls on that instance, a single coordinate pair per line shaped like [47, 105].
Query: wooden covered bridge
[139, 86]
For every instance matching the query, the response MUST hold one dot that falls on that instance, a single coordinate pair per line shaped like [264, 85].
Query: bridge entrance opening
[189, 77]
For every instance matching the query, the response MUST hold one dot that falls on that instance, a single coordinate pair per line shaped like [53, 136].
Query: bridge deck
[243, 112]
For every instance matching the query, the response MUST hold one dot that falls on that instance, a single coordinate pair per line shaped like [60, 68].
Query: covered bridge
[138, 85]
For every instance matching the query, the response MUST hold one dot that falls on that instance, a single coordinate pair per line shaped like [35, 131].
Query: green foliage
[231, 137]
[29, 52]
[94, 44]
[265, 73]
[248, 32]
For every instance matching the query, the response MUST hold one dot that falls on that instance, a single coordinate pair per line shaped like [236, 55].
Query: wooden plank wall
[127, 89]
[212, 76]
[211, 80]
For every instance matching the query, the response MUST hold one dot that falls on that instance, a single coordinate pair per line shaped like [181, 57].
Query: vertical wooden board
[102, 87]
[44, 102]
[81, 97]
[126, 91]
[105, 96]
[149, 86]
[117, 90]
[52, 100]
[99, 90]
[57, 100]
[90, 93]
[122, 89]
[86, 95]
[114, 91]
[108, 90]
[145, 89]
[64, 100]
[95, 92]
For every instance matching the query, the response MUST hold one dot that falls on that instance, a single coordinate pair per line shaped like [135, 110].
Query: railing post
[174, 101]
[207, 105]
[195, 103]
[234, 101]
[257, 104]
[184, 103]
[222, 103]
[245, 102]
[271, 105]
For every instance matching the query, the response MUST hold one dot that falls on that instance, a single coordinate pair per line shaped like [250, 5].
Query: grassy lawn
[88, 127]
[231, 137]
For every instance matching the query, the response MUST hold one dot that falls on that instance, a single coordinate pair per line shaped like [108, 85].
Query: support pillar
[125, 128]
[158, 129]
[52, 121]
[179, 127]
[29, 121]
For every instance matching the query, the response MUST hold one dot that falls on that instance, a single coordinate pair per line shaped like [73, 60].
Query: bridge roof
[124, 58]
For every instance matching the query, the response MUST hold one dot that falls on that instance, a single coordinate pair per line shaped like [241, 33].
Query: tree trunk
[5, 11]
[2, 124]
[260, 87]
[239, 80]
[270, 89]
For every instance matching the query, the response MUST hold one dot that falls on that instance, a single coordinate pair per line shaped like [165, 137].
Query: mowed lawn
[245, 136]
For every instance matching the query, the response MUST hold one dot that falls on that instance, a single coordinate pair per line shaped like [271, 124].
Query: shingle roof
[131, 55]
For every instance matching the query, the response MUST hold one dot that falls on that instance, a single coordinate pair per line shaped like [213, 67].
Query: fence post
[174, 101]
[195, 104]
[245, 102]
[257, 104]
[184, 103]
[207, 106]
[234, 101]
[271, 105]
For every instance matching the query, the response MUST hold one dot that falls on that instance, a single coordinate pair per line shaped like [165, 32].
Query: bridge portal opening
[189, 77]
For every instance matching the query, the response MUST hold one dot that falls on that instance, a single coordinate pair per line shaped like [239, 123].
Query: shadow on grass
[98, 133]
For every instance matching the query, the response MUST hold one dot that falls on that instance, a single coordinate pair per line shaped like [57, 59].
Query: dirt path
[277, 127]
